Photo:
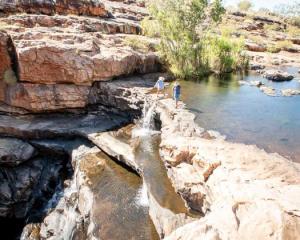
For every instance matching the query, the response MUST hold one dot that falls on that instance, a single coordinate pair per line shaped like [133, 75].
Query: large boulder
[14, 151]
[278, 76]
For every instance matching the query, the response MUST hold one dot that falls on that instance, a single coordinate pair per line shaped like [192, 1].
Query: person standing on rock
[176, 93]
[160, 86]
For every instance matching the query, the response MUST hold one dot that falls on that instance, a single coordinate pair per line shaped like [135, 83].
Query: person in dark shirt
[176, 92]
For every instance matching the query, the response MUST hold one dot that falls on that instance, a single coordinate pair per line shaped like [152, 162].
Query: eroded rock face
[40, 98]
[49, 7]
[7, 75]
[22, 185]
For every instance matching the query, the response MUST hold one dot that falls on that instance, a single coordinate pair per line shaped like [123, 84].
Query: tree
[244, 5]
[182, 26]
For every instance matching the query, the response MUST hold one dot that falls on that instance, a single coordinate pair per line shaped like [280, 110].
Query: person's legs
[176, 100]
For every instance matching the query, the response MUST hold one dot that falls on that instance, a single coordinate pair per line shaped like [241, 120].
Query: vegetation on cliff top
[188, 40]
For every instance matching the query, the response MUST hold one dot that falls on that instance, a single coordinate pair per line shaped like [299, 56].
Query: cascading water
[145, 126]
[141, 198]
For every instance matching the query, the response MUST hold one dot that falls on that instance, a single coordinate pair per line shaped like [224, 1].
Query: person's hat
[161, 78]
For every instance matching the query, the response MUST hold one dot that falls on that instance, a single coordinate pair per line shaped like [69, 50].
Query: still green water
[245, 114]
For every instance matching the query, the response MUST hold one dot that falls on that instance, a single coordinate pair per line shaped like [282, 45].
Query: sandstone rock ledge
[244, 192]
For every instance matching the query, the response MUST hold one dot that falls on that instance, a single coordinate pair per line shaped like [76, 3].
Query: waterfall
[145, 126]
[141, 198]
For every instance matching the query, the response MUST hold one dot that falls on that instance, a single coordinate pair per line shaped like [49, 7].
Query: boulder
[278, 75]
[251, 46]
[256, 66]
[14, 152]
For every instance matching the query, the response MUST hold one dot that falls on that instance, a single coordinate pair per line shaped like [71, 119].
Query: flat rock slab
[59, 125]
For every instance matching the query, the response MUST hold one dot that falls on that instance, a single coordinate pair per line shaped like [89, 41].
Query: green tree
[244, 5]
[186, 44]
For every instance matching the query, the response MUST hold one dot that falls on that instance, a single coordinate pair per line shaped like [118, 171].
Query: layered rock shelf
[73, 82]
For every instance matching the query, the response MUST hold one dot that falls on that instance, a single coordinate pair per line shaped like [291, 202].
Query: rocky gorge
[71, 85]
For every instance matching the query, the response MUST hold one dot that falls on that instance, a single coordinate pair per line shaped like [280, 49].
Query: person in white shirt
[160, 86]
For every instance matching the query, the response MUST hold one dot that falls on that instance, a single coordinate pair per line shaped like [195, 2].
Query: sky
[261, 3]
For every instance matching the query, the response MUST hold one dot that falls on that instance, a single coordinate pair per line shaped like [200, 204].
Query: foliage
[138, 44]
[185, 39]
[290, 10]
[273, 49]
[225, 54]
[293, 31]
[244, 5]
[217, 10]
[150, 27]
[294, 21]
[284, 44]
[280, 45]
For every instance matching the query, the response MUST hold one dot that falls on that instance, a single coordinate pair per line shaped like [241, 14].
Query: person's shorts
[176, 97]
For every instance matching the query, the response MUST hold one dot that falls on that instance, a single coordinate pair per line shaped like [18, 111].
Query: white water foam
[141, 198]
[145, 127]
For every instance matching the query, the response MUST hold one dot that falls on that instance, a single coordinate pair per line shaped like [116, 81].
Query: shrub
[138, 44]
[284, 44]
[293, 31]
[150, 27]
[185, 41]
[244, 5]
[273, 49]
[226, 54]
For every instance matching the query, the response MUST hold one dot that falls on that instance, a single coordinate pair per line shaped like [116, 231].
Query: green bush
[244, 5]
[138, 44]
[186, 44]
[225, 54]
[150, 27]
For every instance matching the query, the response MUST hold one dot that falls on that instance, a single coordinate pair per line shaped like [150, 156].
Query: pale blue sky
[261, 3]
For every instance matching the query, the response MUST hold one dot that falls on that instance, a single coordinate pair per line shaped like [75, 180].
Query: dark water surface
[245, 114]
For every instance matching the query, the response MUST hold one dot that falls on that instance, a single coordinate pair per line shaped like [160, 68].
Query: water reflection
[245, 114]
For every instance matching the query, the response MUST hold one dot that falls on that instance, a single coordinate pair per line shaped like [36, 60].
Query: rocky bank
[70, 78]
